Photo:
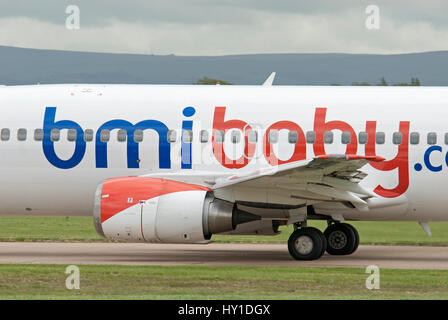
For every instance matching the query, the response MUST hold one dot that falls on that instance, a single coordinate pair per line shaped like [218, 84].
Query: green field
[199, 282]
[202, 282]
[81, 229]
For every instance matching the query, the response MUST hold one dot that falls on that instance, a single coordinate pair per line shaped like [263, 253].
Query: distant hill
[30, 66]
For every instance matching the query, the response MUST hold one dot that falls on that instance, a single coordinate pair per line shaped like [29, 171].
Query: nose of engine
[97, 211]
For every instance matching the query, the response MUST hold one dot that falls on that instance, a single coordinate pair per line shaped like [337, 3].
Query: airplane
[181, 163]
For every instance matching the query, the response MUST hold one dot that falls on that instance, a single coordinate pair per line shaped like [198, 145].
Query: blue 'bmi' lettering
[48, 145]
[100, 146]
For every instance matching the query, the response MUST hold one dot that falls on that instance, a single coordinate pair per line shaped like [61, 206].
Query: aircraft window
[187, 136]
[432, 138]
[105, 135]
[21, 134]
[273, 136]
[38, 135]
[88, 135]
[54, 135]
[328, 137]
[121, 135]
[5, 133]
[414, 138]
[172, 136]
[138, 135]
[446, 138]
[219, 136]
[346, 137]
[253, 136]
[380, 137]
[363, 137]
[235, 136]
[72, 134]
[204, 136]
[293, 137]
[396, 138]
[310, 137]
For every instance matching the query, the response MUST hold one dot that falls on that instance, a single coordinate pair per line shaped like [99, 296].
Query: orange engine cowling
[141, 209]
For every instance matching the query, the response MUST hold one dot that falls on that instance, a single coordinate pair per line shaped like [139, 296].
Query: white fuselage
[46, 178]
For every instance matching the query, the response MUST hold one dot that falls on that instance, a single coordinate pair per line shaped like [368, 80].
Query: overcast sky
[209, 27]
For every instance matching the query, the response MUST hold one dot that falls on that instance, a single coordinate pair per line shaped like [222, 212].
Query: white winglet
[269, 80]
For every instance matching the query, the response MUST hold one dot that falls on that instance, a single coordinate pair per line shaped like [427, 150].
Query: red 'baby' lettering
[218, 148]
[401, 161]
[299, 147]
[320, 127]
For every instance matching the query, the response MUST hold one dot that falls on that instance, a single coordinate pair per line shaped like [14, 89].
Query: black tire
[312, 244]
[324, 243]
[356, 237]
[341, 239]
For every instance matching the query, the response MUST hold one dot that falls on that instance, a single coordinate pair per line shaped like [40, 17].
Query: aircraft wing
[333, 177]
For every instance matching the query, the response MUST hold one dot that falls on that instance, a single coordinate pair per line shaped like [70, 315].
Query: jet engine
[141, 209]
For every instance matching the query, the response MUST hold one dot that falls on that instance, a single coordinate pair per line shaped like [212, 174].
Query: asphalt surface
[405, 257]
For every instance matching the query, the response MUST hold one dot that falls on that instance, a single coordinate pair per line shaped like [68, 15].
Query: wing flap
[334, 177]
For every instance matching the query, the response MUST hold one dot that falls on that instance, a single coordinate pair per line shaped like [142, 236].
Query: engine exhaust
[222, 216]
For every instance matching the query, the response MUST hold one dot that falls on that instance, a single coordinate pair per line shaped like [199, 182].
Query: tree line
[415, 82]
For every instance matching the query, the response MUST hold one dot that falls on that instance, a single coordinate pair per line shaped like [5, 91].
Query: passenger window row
[235, 136]
[310, 137]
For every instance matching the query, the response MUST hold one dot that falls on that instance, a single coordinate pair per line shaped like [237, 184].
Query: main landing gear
[308, 243]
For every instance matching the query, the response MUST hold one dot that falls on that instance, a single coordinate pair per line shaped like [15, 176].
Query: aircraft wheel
[307, 244]
[356, 237]
[342, 239]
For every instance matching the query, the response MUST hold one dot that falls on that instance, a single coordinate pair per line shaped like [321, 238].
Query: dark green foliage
[206, 80]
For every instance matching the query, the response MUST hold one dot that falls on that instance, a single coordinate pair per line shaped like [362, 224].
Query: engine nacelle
[140, 209]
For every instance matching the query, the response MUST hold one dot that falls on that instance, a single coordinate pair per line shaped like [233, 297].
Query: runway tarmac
[216, 254]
